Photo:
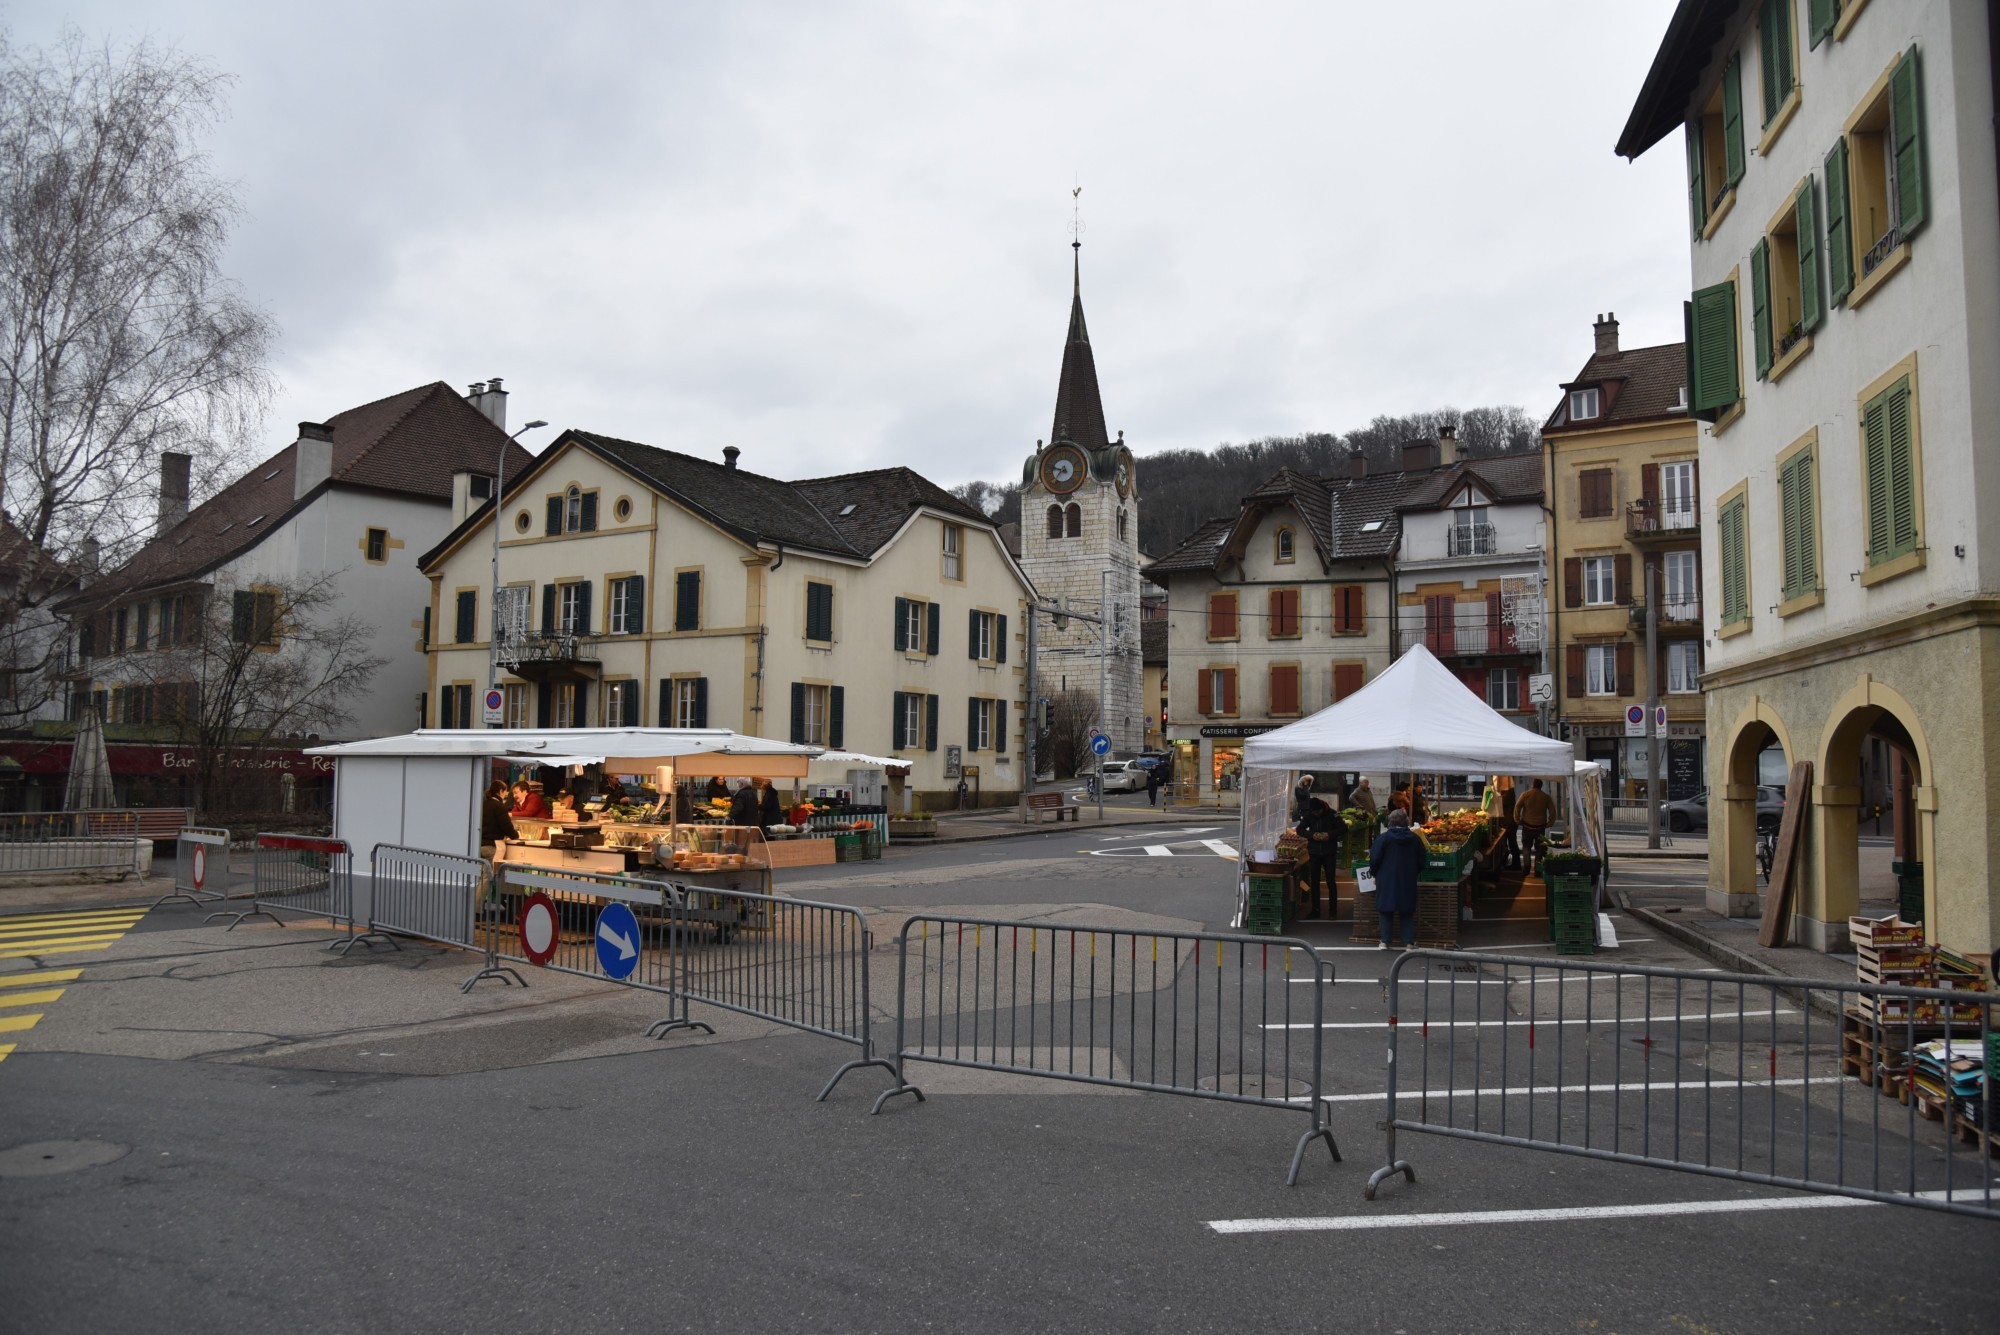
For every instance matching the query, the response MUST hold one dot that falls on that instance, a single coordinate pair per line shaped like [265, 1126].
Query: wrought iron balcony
[1673, 612]
[1650, 521]
[1471, 540]
[548, 653]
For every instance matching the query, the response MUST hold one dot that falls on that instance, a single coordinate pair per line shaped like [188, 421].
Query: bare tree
[1063, 746]
[120, 337]
[244, 668]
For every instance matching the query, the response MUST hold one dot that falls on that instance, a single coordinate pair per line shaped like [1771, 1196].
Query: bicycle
[1767, 853]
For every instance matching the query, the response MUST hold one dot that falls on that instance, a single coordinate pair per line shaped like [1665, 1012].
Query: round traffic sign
[494, 699]
[198, 865]
[1635, 714]
[617, 940]
[1100, 744]
[539, 929]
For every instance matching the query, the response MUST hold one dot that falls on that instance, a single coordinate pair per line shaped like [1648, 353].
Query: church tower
[1080, 541]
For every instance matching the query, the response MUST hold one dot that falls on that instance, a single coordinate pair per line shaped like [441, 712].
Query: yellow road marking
[31, 998]
[58, 939]
[37, 977]
[14, 1024]
[51, 950]
[67, 929]
[78, 915]
[5, 1048]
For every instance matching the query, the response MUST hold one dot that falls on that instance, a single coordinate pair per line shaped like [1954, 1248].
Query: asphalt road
[697, 1186]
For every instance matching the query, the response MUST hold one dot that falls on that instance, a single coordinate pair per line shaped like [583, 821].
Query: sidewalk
[1732, 942]
[967, 827]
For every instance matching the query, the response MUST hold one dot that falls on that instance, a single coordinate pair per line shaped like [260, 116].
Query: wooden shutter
[468, 617]
[1902, 472]
[1821, 16]
[1732, 121]
[1347, 679]
[587, 521]
[1000, 637]
[1284, 688]
[930, 722]
[1805, 217]
[1712, 350]
[580, 716]
[1625, 669]
[1875, 457]
[1573, 671]
[902, 636]
[1788, 526]
[1227, 690]
[836, 717]
[972, 635]
[1572, 581]
[1697, 189]
[444, 708]
[1760, 304]
[1284, 622]
[1000, 727]
[1649, 487]
[701, 702]
[687, 600]
[971, 724]
[582, 626]
[1440, 612]
[550, 596]
[1621, 573]
[555, 518]
[665, 717]
[1475, 681]
[1774, 46]
[798, 712]
[1735, 555]
[544, 704]
[896, 738]
[1906, 131]
[932, 612]
[1222, 616]
[1350, 602]
[1204, 691]
[1806, 491]
[1839, 229]
[1497, 634]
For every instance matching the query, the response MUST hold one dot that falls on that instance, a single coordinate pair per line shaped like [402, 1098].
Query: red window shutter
[1221, 616]
[1621, 569]
[1649, 486]
[1572, 581]
[1346, 679]
[1439, 611]
[1284, 613]
[1285, 688]
[1573, 671]
[1204, 691]
[1624, 669]
[1496, 636]
[1226, 690]
[1351, 603]
[1475, 681]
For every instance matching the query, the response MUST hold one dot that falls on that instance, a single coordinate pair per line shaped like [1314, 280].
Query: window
[1715, 150]
[142, 637]
[511, 615]
[521, 522]
[986, 725]
[1503, 688]
[906, 721]
[1347, 679]
[1471, 534]
[1677, 498]
[253, 617]
[170, 622]
[819, 612]
[986, 637]
[455, 706]
[684, 702]
[1594, 500]
[566, 702]
[1831, 18]
[628, 606]
[1877, 182]
[1121, 526]
[573, 608]
[1215, 691]
[1222, 616]
[817, 712]
[1681, 581]
[377, 544]
[1584, 404]
[1350, 609]
[622, 508]
[1055, 521]
[1710, 320]
[1734, 555]
[1798, 525]
[1776, 51]
[1284, 688]
[1284, 615]
[1285, 555]
[687, 600]
[481, 487]
[121, 621]
[1601, 663]
[466, 625]
[953, 560]
[1599, 581]
[1684, 667]
[916, 628]
[1889, 472]
[574, 511]
[514, 710]
[1073, 521]
[1785, 302]
[621, 704]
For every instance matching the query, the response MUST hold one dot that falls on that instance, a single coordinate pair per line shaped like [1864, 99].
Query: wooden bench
[157, 824]
[1036, 805]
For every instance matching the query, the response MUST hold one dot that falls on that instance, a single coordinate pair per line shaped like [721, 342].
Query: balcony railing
[1649, 519]
[1673, 612]
[548, 647]
[1471, 638]
[1471, 540]
[1881, 250]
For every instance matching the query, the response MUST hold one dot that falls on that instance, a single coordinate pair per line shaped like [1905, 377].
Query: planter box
[919, 827]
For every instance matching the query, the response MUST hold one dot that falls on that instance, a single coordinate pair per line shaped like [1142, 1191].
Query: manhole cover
[1255, 1084]
[46, 1158]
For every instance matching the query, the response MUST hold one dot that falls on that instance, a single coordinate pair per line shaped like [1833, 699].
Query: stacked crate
[1573, 914]
[1891, 952]
[1264, 906]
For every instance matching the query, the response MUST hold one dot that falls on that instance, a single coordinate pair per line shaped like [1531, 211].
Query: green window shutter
[635, 605]
[1760, 304]
[1808, 500]
[1906, 130]
[555, 516]
[1712, 351]
[902, 618]
[896, 739]
[1000, 726]
[1788, 517]
[1821, 15]
[1000, 638]
[1839, 229]
[972, 635]
[687, 600]
[930, 722]
[1735, 599]
[836, 717]
[701, 702]
[798, 712]
[1805, 216]
[1767, 55]
[1875, 463]
[1732, 121]
[1697, 189]
[1902, 472]
[931, 628]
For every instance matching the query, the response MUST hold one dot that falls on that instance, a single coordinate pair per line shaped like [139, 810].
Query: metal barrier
[194, 850]
[299, 873]
[417, 893]
[1206, 1015]
[58, 841]
[1729, 1075]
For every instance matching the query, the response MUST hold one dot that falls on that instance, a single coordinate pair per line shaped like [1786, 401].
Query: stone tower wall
[1073, 569]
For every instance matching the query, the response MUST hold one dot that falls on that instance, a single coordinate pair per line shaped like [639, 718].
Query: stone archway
[1869, 709]
[1732, 812]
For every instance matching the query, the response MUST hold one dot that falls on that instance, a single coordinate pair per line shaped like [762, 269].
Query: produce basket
[848, 847]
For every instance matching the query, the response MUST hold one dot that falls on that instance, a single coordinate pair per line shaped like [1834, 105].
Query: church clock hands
[1063, 469]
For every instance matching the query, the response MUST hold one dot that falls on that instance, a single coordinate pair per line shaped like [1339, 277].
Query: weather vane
[1076, 217]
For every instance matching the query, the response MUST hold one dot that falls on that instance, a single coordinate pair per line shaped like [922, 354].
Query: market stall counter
[716, 857]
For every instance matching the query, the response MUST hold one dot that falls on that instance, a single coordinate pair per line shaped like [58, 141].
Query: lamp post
[499, 489]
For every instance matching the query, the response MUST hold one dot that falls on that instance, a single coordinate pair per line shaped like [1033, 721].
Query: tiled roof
[1079, 409]
[409, 443]
[1691, 36]
[1307, 496]
[1197, 552]
[869, 508]
[1365, 525]
[1153, 641]
[1640, 384]
[1504, 477]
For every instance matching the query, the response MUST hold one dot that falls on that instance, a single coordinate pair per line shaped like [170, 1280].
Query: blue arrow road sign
[617, 940]
[1100, 745]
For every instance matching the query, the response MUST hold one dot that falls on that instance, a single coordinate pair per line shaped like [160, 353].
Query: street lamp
[499, 488]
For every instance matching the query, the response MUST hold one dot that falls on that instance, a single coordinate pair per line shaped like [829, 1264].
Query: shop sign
[1235, 730]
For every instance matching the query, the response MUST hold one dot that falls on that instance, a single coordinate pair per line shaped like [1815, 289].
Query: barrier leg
[493, 968]
[255, 911]
[903, 1086]
[1391, 1165]
[1299, 1152]
[1389, 1169]
[856, 1065]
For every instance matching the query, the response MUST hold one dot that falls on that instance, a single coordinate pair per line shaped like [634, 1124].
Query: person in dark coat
[771, 809]
[1395, 861]
[1153, 783]
[1302, 797]
[495, 823]
[743, 806]
[1324, 832]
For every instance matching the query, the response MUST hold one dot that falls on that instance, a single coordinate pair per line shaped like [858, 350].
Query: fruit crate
[847, 848]
[1264, 922]
[1447, 866]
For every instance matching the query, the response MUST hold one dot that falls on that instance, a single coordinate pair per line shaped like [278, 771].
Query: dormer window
[1584, 404]
[1286, 543]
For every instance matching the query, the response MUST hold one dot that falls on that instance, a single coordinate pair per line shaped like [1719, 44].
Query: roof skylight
[273, 473]
[846, 510]
[258, 520]
[1372, 526]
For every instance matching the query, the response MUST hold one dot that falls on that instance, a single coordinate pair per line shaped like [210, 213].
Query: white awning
[690, 751]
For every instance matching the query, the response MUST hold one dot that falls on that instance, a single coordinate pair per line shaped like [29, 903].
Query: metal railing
[1206, 1015]
[1727, 1075]
[1652, 519]
[196, 874]
[299, 873]
[417, 893]
[1471, 540]
[60, 841]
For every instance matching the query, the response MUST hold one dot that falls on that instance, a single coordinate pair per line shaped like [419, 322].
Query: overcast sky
[837, 235]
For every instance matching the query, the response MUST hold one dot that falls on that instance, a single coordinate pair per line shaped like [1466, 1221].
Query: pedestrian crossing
[1208, 848]
[28, 988]
[33, 935]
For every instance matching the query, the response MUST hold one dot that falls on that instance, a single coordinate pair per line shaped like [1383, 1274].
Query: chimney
[489, 398]
[89, 555]
[729, 453]
[173, 488]
[1419, 456]
[1606, 330]
[312, 457]
[1357, 465]
[1447, 446]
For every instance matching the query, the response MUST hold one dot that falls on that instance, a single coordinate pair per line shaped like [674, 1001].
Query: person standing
[1153, 784]
[771, 809]
[1534, 810]
[1395, 861]
[1324, 832]
[1364, 797]
[1302, 797]
[743, 806]
[495, 823]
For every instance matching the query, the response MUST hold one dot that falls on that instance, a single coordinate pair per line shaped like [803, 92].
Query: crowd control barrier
[299, 873]
[417, 893]
[201, 866]
[1736, 1076]
[1207, 1015]
[64, 841]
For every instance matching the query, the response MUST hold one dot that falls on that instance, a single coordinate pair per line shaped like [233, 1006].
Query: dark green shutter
[931, 638]
[635, 605]
[836, 717]
[1000, 638]
[1875, 464]
[971, 725]
[1767, 51]
[582, 626]
[1839, 227]
[701, 702]
[426, 640]
[930, 722]
[1806, 494]
[1902, 472]
[549, 596]
[1712, 351]
[1821, 16]
[687, 600]
[665, 718]
[468, 617]
[1732, 121]
[972, 635]
[896, 738]
[580, 718]
[1760, 304]
[587, 523]
[902, 624]
[1805, 217]
[1735, 597]
[1774, 46]
[798, 711]
[1000, 727]
[1697, 188]
[544, 703]
[444, 707]
[555, 515]
[1906, 131]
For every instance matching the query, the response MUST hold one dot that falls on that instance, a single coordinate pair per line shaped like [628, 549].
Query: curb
[989, 837]
[1703, 944]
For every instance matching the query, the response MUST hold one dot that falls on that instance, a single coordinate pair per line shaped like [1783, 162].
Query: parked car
[1691, 813]
[1124, 776]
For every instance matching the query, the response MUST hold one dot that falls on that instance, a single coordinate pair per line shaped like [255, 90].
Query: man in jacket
[771, 808]
[1534, 810]
[743, 806]
[1324, 832]
[1395, 862]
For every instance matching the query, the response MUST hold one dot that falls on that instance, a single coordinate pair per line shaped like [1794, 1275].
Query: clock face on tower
[1124, 474]
[1063, 469]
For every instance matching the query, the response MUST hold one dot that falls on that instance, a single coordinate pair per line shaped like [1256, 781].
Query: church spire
[1079, 409]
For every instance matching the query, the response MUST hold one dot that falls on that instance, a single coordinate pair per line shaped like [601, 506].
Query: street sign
[539, 929]
[198, 865]
[617, 940]
[1635, 721]
[496, 703]
[1660, 721]
[1100, 745]
[1541, 688]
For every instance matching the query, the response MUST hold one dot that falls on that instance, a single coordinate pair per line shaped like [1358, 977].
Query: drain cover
[47, 1158]
[1255, 1084]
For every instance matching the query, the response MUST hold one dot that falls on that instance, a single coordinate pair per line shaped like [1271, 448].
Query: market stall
[1416, 717]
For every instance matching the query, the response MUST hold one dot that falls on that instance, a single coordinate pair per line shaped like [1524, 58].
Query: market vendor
[770, 807]
[718, 791]
[1324, 832]
[1364, 797]
[528, 802]
[1535, 810]
[743, 807]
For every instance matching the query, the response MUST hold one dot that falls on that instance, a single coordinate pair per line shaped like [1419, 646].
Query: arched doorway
[1874, 748]
[1758, 744]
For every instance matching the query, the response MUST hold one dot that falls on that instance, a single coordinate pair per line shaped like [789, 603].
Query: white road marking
[1566, 1214]
[1520, 981]
[1525, 1023]
[1158, 851]
[1219, 848]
